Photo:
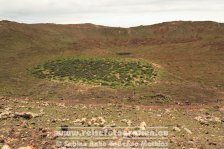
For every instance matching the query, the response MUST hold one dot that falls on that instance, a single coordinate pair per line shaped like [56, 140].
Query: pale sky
[123, 13]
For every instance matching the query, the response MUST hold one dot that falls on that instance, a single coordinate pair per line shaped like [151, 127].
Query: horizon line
[94, 24]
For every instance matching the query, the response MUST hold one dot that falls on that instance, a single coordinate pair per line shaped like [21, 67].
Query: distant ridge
[89, 25]
[97, 36]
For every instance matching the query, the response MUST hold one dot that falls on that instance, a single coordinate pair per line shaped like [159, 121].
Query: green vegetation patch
[97, 71]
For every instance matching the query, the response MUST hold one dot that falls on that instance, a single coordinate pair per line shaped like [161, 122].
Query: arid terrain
[186, 95]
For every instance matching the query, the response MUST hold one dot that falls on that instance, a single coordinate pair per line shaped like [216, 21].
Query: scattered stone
[8, 109]
[188, 130]
[26, 115]
[101, 121]
[92, 121]
[201, 120]
[83, 121]
[215, 119]
[77, 121]
[41, 110]
[191, 143]
[142, 126]
[6, 147]
[172, 140]
[6, 114]
[28, 147]
[113, 124]
[176, 129]
[205, 119]
[96, 124]
[61, 105]
[128, 122]
[124, 120]
[167, 111]
[84, 107]
[45, 104]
